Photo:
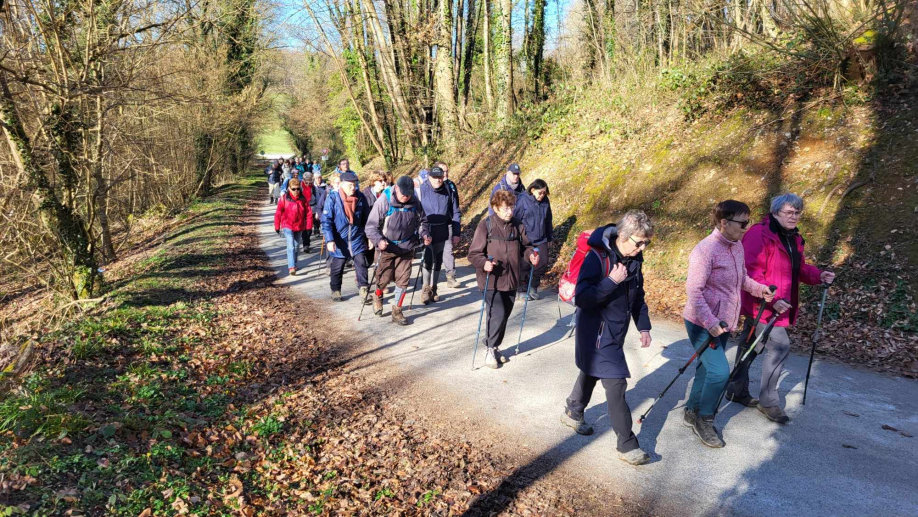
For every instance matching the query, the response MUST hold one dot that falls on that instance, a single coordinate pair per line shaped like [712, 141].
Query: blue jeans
[294, 241]
[711, 370]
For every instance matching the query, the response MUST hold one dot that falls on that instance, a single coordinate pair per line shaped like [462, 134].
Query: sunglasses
[640, 244]
[294, 190]
[743, 224]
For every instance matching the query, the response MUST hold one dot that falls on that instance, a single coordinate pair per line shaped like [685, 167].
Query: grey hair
[634, 222]
[789, 198]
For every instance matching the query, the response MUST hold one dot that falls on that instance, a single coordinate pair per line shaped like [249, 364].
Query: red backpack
[568, 282]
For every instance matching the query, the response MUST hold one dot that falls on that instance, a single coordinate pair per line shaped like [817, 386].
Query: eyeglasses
[791, 213]
[743, 224]
[640, 244]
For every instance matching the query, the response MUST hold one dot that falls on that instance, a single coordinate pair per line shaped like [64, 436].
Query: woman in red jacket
[293, 216]
[774, 256]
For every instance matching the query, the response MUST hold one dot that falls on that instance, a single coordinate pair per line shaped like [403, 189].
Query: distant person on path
[510, 181]
[503, 238]
[307, 184]
[346, 213]
[293, 217]
[716, 276]
[774, 256]
[443, 217]
[378, 183]
[533, 209]
[609, 293]
[274, 182]
[423, 174]
[449, 260]
[396, 226]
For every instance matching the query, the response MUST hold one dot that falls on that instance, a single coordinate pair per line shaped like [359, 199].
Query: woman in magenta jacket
[774, 256]
[716, 275]
[294, 217]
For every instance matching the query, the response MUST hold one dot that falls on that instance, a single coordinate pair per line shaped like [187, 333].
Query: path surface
[833, 458]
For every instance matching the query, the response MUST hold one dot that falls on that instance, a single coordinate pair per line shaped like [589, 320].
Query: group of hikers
[740, 268]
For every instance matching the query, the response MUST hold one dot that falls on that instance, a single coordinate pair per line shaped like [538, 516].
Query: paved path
[834, 458]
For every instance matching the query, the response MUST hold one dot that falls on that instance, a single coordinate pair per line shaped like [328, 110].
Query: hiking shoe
[704, 428]
[775, 414]
[364, 295]
[433, 294]
[336, 296]
[500, 357]
[634, 457]
[747, 401]
[292, 271]
[534, 293]
[520, 296]
[377, 305]
[397, 317]
[491, 360]
[307, 249]
[451, 281]
[579, 424]
[426, 297]
[688, 420]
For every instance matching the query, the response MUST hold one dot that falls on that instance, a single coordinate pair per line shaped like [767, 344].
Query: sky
[298, 27]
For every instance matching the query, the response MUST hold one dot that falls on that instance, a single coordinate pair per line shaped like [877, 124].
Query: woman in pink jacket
[716, 275]
[774, 256]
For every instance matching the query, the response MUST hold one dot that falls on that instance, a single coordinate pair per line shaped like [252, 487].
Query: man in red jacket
[774, 256]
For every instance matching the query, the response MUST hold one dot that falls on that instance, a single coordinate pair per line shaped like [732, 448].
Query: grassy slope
[601, 158]
[274, 139]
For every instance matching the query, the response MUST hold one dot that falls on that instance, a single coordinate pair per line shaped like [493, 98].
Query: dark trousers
[499, 305]
[306, 239]
[337, 271]
[619, 412]
[537, 273]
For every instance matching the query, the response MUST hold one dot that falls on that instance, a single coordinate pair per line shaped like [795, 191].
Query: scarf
[350, 204]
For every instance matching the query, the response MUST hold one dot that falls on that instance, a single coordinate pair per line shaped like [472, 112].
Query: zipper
[602, 326]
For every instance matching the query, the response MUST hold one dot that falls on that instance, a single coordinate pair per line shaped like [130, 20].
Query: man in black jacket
[449, 261]
[443, 217]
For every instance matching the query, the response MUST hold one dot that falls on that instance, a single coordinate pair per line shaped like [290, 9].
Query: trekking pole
[369, 287]
[822, 305]
[420, 267]
[525, 305]
[750, 355]
[709, 344]
[481, 313]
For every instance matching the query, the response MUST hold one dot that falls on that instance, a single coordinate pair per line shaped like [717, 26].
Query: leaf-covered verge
[201, 388]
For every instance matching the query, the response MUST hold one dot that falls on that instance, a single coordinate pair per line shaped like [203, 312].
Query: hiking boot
[397, 316]
[747, 401]
[364, 295]
[775, 414]
[451, 281]
[534, 293]
[579, 424]
[634, 457]
[491, 360]
[688, 420]
[336, 296]
[433, 294]
[307, 249]
[704, 428]
[292, 271]
[377, 305]
[521, 296]
[500, 357]
[426, 296]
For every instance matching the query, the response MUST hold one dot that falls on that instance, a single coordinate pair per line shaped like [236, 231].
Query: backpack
[392, 210]
[568, 282]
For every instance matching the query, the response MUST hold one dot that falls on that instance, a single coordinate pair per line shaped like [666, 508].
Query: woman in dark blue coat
[533, 209]
[610, 293]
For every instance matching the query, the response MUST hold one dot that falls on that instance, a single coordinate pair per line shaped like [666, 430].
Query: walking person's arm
[640, 313]
[593, 289]
[278, 215]
[375, 220]
[478, 249]
[699, 271]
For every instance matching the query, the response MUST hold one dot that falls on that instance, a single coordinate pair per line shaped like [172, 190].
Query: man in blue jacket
[443, 217]
[533, 209]
[344, 218]
[609, 293]
[510, 181]
[449, 261]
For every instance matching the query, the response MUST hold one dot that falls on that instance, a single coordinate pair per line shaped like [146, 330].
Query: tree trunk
[503, 63]
[445, 86]
[471, 31]
[536, 43]
[488, 69]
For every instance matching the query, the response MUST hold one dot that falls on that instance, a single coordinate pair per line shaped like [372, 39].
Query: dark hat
[348, 176]
[405, 185]
[436, 172]
[514, 168]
